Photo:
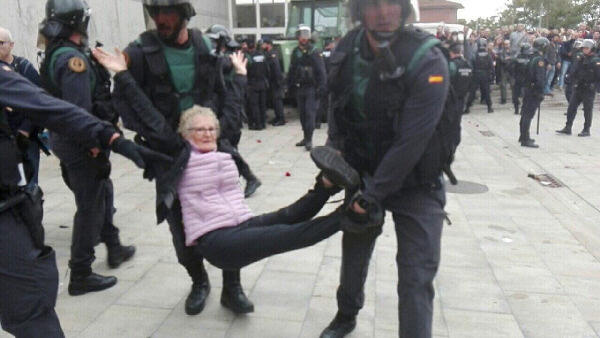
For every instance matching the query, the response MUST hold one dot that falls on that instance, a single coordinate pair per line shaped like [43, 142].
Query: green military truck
[327, 19]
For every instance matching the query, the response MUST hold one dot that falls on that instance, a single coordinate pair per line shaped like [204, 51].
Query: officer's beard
[171, 39]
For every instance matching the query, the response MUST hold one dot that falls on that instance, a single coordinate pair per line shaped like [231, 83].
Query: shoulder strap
[152, 49]
[201, 42]
[420, 52]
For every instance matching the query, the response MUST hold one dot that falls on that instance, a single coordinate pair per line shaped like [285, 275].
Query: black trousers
[323, 111]
[306, 98]
[88, 179]
[277, 95]
[28, 283]
[581, 95]
[418, 216]
[191, 258]
[257, 102]
[531, 102]
[568, 90]
[517, 93]
[481, 80]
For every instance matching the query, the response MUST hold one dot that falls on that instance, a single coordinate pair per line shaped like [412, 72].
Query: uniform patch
[541, 64]
[436, 79]
[77, 64]
[6, 68]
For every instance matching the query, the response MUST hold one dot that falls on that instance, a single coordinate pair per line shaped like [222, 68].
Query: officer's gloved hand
[140, 155]
[359, 223]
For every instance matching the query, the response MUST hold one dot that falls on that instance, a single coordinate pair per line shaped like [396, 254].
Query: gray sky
[480, 8]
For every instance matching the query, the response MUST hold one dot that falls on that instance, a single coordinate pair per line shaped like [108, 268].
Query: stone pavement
[520, 260]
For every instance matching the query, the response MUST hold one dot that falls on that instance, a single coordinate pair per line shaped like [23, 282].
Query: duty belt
[12, 201]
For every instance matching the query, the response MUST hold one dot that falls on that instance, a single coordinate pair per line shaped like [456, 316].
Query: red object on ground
[287, 174]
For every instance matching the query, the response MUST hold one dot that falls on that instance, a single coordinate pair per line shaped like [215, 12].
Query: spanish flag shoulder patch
[436, 79]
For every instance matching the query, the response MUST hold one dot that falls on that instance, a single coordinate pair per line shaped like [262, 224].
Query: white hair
[188, 115]
[7, 33]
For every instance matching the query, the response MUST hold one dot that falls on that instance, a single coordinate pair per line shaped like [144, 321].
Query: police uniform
[483, 66]
[308, 79]
[325, 100]
[533, 96]
[586, 78]
[519, 67]
[577, 57]
[276, 86]
[382, 122]
[154, 66]
[461, 74]
[258, 84]
[69, 73]
[28, 273]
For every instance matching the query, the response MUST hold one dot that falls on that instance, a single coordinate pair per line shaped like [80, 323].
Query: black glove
[140, 155]
[360, 223]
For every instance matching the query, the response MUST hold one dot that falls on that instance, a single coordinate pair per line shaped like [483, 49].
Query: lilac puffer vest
[210, 195]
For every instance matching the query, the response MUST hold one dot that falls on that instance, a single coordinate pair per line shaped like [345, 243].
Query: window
[244, 14]
[272, 13]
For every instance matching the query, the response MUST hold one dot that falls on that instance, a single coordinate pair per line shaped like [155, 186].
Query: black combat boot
[308, 145]
[490, 110]
[516, 110]
[279, 123]
[339, 327]
[566, 130]
[529, 143]
[584, 133]
[119, 254]
[196, 300]
[233, 296]
[80, 284]
[335, 168]
[301, 143]
[251, 185]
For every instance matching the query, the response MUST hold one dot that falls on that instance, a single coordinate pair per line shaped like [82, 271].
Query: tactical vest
[304, 73]
[520, 67]
[461, 80]
[531, 70]
[258, 70]
[482, 61]
[10, 157]
[100, 83]
[585, 73]
[158, 84]
[367, 139]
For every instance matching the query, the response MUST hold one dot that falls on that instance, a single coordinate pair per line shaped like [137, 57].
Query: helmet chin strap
[389, 68]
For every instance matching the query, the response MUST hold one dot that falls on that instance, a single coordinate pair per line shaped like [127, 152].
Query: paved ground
[521, 260]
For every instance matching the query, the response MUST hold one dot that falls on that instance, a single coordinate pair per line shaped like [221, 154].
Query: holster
[31, 210]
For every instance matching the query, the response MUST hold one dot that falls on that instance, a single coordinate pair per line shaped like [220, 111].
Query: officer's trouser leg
[278, 105]
[530, 105]
[307, 107]
[569, 92]
[185, 255]
[253, 106]
[419, 217]
[588, 108]
[262, 107]
[88, 183]
[503, 83]
[356, 254]
[472, 90]
[109, 234]
[516, 93]
[485, 91]
[576, 99]
[28, 283]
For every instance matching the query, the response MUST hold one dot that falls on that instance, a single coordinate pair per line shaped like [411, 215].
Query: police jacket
[149, 105]
[483, 64]
[275, 72]
[519, 67]
[586, 72]
[307, 69]
[20, 95]
[258, 70]
[576, 58]
[18, 121]
[536, 75]
[461, 74]
[389, 138]
[69, 73]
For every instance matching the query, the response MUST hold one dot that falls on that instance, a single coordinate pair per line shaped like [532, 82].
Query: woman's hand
[113, 62]
[239, 62]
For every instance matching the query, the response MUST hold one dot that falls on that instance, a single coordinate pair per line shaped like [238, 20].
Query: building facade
[256, 18]
[439, 11]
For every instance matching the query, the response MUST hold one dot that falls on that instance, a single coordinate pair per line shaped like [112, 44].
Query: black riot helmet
[216, 32]
[482, 44]
[540, 45]
[184, 6]
[356, 8]
[526, 48]
[64, 17]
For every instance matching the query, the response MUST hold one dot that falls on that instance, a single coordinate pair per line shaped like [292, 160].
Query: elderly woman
[217, 222]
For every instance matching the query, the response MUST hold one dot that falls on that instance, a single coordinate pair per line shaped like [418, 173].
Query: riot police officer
[68, 72]
[308, 79]
[325, 100]
[519, 69]
[390, 84]
[461, 73]
[586, 78]
[483, 66]
[28, 273]
[577, 57]
[534, 90]
[258, 84]
[276, 90]
[175, 67]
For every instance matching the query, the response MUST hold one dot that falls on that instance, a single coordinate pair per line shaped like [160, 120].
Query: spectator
[553, 62]
[516, 39]
[566, 56]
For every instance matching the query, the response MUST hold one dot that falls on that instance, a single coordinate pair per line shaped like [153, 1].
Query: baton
[538, 123]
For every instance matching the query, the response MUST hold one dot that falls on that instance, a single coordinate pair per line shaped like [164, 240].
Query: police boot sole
[564, 132]
[335, 168]
[338, 332]
[78, 291]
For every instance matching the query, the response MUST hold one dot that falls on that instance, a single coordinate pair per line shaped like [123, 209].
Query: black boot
[119, 254]
[335, 168]
[308, 145]
[233, 296]
[339, 327]
[490, 110]
[82, 284]
[566, 130]
[516, 110]
[279, 123]
[301, 143]
[251, 185]
[529, 143]
[584, 133]
[196, 300]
